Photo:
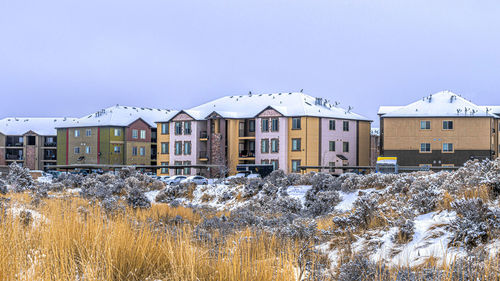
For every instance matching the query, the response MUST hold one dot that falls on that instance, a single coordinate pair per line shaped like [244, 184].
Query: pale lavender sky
[70, 58]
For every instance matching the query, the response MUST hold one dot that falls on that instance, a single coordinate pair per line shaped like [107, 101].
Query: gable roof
[41, 126]
[288, 104]
[442, 104]
[122, 116]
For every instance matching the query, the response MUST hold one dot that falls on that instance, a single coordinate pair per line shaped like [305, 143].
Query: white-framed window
[275, 145]
[187, 128]
[164, 170]
[187, 170]
[164, 129]
[296, 123]
[87, 149]
[275, 164]
[264, 161]
[134, 151]
[77, 133]
[178, 128]
[135, 133]
[295, 165]
[345, 126]
[142, 151]
[425, 125]
[118, 132]
[265, 125]
[275, 125]
[296, 144]
[164, 148]
[425, 147]
[264, 146]
[143, 134]
[178, 148]
[116, 149]
[187, 148]
[76, 150]
[332, 125]
[447, 147]
[331, 145]
[88, 132]
[448, 125]
[345, 146]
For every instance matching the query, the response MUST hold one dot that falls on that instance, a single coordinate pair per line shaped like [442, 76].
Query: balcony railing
[18, 144]
[50, 144]
[13, 157]
[49, 157]
[247, 154]
[203, 135]
[203, 154]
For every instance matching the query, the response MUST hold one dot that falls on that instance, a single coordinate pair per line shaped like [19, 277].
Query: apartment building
[118, 135]
[443, 129]
[287, 130]
[30, 142]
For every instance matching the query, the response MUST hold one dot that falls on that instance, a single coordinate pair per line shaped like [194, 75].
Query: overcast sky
[70, 58]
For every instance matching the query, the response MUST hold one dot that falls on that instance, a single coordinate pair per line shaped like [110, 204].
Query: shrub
[358, 268]
[137, 199]
[323, 202]
[3, 187]
[19, 178]
[406, 231]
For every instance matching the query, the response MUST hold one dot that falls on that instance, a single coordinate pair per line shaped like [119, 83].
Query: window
[296, 123]
[77, 133]
[87, 149]
[187, 128]
[88, 132]
[425, 125]
[275, 164]
[178, 171]
[117, 149]
[76, 150]
[142, 151]
[164, 128]
[295, 165]
[178, 148]
[264, 146]
[251, 125]
[187, 148]
[345, 126]
[345, 146]
[178, 128]
[447, 147]
[296, 145]
[164, 170]
[265, 125]
[425, 147]
[164, 148]
[134, 150]
[264, 162]
[143, 134]
[331, 145]
[118, 132]
[274, 125]
[187, 171]
[135, 134]
[447, 125]
[332, 125]
[31, 140]
[332, 164]
[275, 145]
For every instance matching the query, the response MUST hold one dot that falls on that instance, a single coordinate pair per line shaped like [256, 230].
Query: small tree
[19, 178]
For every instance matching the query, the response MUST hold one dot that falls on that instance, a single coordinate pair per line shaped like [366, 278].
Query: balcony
[50, 144]
[203, 155]
[203, 135]
[250, 154]
[14, 157]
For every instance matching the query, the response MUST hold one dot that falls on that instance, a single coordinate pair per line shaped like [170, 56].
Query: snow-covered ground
[349, 198]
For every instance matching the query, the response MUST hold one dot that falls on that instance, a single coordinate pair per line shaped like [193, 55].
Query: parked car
[254, 176]
[195, 179]
[163, 178]
[175, 180]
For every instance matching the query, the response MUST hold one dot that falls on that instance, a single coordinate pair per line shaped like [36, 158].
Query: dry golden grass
[68, 244]
[482, 192]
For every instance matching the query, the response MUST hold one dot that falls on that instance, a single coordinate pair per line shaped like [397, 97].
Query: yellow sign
[386, 158]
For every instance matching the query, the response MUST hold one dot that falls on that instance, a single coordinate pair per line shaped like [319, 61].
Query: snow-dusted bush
[269, 189]
[365, 208]
[321, 203]
[112, 205]
[70, 180]
[3, 187]
[19, 178]
[304, 229]
[359, 268]
[405, 231]
[474, 223]
[278, 178]
[376, 180]
[137, 199]
[424, 195]
[93, 187]
[350, 182]
[323, 181]
[172, 192]
[252, 188]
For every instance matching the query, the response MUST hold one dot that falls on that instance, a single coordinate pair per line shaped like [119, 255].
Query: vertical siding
[61, 146]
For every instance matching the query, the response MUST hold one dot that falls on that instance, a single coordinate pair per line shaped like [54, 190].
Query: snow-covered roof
[122, 116]
[387, 108]
[375, 131]
[41, 126]
[288, 104]
[442, 104]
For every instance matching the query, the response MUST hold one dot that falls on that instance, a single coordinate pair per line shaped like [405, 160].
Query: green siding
[61, 146]
[103, 145]
[116, 158]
